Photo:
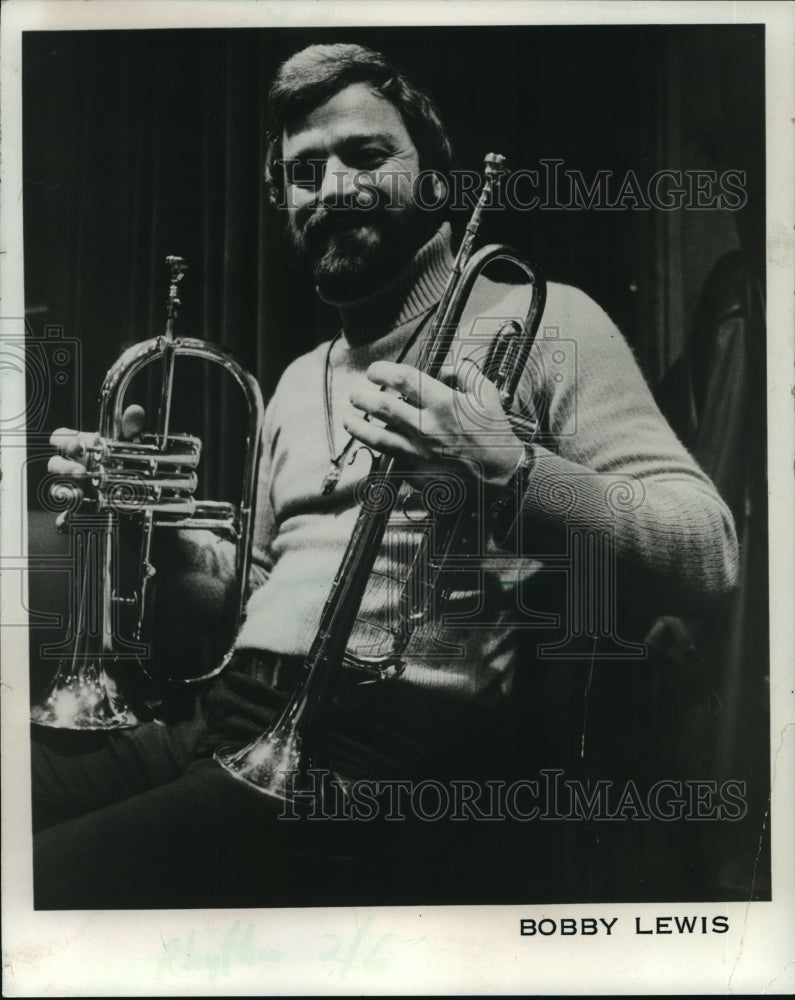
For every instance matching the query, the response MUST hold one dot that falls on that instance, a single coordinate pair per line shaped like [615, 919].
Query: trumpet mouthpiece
[494, 165]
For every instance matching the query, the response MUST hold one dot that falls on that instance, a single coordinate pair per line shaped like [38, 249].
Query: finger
[60, 466]
[465, 375]
[417, 388]
[68, 494]
[448, 377]
[132, 422]
[481, 391]
[469, 375]
[393, 410]
[378, 438]
[60, 437]
[73, 444]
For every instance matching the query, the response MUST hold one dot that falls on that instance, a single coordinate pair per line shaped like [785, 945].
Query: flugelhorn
[150, 483]
[280, 763]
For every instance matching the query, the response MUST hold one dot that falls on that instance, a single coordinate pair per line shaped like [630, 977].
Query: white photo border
[436, 950]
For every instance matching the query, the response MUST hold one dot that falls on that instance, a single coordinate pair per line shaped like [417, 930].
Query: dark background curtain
[139, 144]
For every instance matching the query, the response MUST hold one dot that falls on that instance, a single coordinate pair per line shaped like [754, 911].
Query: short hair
[316, 73]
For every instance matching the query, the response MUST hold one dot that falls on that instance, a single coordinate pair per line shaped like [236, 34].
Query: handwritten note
[363, 950]
[241, 945]
[237, 947]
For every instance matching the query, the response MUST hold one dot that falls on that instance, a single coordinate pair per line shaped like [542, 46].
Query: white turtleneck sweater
[607, 458]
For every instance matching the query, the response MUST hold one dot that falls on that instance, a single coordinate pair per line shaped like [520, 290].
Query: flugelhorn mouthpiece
[177, 265]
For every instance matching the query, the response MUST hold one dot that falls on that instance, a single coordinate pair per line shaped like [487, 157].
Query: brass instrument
[280, 762]
[150, 482]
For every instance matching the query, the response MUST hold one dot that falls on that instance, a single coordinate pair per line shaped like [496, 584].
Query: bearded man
[352, 145]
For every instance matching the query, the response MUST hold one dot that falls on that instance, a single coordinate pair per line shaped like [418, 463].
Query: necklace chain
[333, 475]
[336, 459]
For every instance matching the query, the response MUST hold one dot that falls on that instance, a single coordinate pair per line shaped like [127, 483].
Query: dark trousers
[75, 773]
[204, 839]
[147, 819]
[140, 823]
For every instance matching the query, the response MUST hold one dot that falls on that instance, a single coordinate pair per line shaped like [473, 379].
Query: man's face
[350, 167]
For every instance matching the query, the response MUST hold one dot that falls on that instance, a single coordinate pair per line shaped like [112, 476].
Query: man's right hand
[73, 446]
[191, 608]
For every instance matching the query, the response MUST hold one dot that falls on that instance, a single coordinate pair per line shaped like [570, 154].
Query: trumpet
[283, 761]
[150, 483]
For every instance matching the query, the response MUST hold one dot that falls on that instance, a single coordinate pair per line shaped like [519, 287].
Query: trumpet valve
[501, 362]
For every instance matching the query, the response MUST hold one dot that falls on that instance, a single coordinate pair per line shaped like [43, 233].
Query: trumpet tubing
[279, 761]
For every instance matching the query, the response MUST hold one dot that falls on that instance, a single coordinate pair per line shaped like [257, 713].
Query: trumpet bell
[274, 764]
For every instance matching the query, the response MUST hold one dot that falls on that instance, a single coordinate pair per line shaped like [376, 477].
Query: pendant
[331, 480]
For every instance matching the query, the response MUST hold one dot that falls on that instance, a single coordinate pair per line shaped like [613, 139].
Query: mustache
[327, 220]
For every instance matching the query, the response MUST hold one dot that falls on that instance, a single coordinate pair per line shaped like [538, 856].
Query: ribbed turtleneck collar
[413, 292]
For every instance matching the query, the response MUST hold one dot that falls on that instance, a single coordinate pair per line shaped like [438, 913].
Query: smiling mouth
[344, 230]
[343, 223]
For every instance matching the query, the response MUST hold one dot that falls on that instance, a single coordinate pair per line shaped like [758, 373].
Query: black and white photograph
[391, 499]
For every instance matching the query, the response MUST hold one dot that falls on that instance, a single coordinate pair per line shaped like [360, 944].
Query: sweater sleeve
[608, 458]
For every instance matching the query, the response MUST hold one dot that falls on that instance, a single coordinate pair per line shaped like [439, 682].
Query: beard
[352, 252]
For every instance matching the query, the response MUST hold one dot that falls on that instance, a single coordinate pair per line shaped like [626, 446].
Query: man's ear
[272, 188]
